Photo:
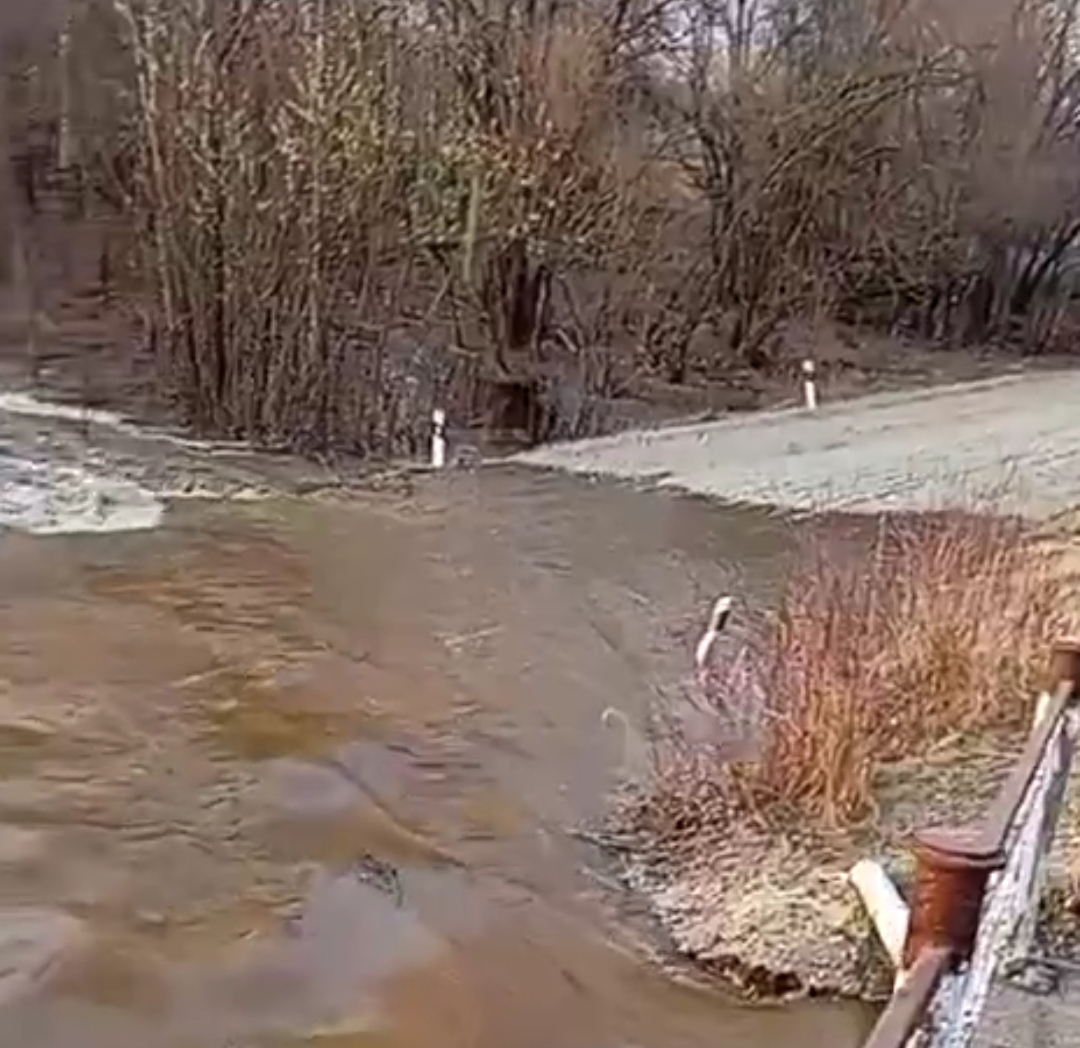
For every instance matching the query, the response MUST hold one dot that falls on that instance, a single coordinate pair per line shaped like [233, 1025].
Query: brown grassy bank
[307, 222]
[889, 689]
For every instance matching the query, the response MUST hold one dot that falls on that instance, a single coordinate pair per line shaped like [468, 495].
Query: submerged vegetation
[938, 628]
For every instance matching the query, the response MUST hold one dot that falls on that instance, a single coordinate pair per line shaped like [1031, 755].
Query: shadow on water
[299, 774]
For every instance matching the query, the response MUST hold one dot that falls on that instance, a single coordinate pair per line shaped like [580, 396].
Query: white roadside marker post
[810, 401]
[438, 438]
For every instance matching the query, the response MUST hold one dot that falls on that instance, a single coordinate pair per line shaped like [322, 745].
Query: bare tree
[327, 214]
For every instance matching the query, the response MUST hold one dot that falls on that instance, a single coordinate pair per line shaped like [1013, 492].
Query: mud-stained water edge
[291, 773]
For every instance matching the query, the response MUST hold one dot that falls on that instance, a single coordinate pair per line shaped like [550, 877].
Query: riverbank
[755, 902]
[770, 909]
[760, 897]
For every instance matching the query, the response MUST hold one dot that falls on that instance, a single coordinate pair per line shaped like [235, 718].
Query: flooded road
[285, 774]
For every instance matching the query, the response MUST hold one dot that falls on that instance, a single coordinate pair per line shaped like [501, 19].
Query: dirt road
[896, 450]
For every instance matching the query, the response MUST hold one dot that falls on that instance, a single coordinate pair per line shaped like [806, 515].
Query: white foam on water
[29, 406]
[25, 404]
[43, 498]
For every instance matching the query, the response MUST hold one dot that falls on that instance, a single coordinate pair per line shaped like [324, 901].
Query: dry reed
[938, 628]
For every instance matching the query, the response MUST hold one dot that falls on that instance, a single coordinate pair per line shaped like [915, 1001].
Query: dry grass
[941, 626]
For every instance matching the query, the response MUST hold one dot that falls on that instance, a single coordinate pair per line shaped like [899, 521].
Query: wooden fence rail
[975, 901]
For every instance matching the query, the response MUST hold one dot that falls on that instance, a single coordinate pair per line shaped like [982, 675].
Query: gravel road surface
[890, 451]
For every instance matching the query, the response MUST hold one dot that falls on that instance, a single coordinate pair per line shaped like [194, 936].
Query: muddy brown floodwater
[289, 774]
